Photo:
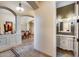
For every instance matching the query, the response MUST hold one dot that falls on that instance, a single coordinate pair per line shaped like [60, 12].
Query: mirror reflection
[65, 19]
[64, 27]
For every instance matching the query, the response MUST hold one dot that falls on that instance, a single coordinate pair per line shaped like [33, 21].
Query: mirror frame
[66, 33]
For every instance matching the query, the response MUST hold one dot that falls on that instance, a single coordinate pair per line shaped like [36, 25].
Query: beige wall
[45, 28]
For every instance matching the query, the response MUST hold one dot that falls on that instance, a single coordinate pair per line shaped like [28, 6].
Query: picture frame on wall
[8, 27]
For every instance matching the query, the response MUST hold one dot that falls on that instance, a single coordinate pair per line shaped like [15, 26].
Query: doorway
[66, 30]
[27, 29]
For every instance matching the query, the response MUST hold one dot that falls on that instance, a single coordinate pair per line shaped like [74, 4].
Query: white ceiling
[13, 4]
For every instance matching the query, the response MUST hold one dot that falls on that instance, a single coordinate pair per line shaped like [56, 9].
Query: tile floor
[62, 53]
[27, 50]
[8, 53]
[24, 50]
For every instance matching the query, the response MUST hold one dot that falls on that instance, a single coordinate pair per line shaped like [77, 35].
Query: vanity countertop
[65, 35]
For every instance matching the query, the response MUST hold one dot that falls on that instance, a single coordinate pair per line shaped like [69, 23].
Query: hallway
[37, 30]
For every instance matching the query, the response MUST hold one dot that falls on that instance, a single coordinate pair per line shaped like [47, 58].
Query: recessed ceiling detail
[33, 4]
[13, 4]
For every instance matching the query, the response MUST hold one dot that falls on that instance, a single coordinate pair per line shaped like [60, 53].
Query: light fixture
[20, 8]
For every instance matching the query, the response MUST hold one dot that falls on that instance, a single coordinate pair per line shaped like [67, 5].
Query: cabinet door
[12, 40]
[70, 46]
[58, 41]
[8, 40]
[68, 43]
[3, 41]
[62, 42]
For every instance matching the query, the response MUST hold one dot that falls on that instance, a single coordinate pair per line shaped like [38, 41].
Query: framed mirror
[65, 20]
[64, 27]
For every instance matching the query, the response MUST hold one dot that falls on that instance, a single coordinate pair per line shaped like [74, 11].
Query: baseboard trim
[43, 53]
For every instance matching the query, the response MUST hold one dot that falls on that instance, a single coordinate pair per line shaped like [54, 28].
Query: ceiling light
[20, 8]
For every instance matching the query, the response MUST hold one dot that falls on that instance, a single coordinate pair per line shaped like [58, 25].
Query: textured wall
[45, 28]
